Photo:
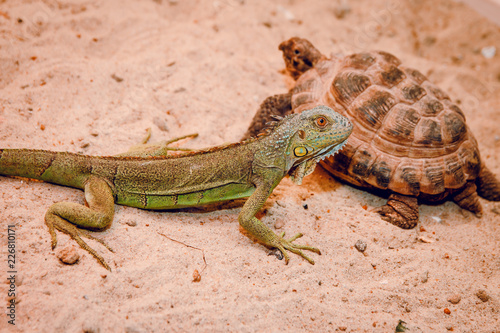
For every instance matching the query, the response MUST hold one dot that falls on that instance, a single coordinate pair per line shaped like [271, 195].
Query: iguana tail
[55, 167]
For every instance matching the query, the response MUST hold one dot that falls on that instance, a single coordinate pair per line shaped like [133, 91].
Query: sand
[91, 76]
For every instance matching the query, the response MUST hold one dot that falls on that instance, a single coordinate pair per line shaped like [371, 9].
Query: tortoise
[409, 139]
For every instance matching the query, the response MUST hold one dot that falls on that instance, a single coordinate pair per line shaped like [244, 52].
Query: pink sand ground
[205, 66]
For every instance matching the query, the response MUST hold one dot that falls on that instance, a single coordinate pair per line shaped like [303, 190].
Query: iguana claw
[286, 244]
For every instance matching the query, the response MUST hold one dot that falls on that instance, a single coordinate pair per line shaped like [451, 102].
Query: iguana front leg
[261, 232]
[69, 217]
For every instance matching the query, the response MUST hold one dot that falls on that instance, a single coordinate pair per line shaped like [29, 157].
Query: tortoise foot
[400, 210]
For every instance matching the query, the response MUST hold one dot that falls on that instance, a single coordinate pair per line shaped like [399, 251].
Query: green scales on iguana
[252, 168]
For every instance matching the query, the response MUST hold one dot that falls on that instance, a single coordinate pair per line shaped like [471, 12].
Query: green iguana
[252, 168]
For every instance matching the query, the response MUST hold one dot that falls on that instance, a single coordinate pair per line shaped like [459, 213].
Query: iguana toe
[286, 244]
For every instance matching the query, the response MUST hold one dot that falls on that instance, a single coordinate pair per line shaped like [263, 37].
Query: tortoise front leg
[69, 217]
[400, 210]
[277, 105]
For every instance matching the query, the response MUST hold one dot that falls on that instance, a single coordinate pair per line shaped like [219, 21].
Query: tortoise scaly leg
[488, 186]
[468, 199]
[69, 217]
[400, 210]
[277, 105]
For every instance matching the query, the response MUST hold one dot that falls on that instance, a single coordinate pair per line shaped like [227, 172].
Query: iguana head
[319, 132]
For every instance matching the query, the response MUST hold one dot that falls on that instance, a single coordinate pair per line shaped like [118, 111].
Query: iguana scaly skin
[252, 168]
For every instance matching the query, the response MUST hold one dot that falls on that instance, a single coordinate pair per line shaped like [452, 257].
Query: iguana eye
[300, 151]
[321, 122]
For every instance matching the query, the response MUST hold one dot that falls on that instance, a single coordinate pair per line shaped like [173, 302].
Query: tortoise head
[299, 55]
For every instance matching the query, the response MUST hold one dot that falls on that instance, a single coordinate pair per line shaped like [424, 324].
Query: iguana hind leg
[69, 217]
[162, 148]
[400, 210]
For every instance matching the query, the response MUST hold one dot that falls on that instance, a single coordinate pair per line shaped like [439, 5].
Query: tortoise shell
[408, 136]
